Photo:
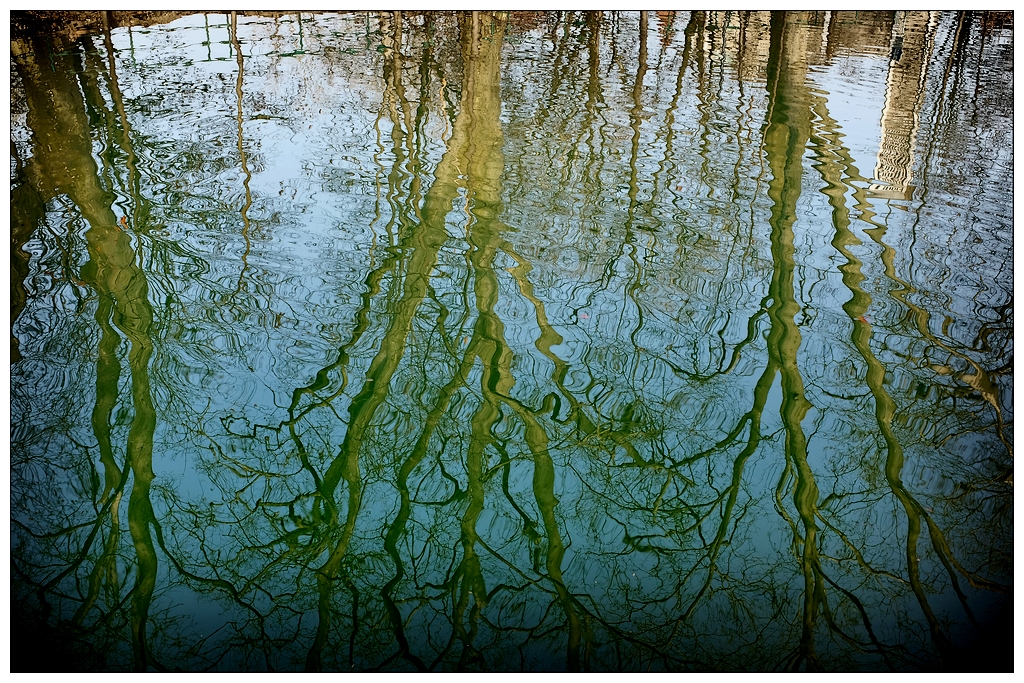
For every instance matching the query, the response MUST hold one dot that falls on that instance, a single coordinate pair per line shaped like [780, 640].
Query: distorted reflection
[512, 341]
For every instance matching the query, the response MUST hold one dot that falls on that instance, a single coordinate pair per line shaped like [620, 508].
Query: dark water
[513, 342]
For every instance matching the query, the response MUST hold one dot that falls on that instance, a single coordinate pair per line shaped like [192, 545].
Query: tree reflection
[580, 380]
[62, 154]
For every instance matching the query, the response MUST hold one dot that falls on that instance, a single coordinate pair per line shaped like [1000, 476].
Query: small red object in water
[584, 316]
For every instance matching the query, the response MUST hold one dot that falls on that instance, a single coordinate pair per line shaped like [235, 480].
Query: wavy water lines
[424, 245]
[837, 170]
[786, 132]
[565, 341]
[241, 152]
[112, 271]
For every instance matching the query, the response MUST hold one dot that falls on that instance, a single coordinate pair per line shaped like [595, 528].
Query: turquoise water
[501, 342]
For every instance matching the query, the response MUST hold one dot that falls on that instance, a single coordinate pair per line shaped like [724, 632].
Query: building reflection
[913, 35]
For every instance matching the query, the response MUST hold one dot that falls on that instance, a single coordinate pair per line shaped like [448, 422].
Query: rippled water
[500, 342]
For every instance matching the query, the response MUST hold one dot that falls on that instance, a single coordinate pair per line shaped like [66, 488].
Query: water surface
[530, 341]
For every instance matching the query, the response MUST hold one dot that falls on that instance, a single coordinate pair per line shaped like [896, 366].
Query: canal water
[504, 342]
